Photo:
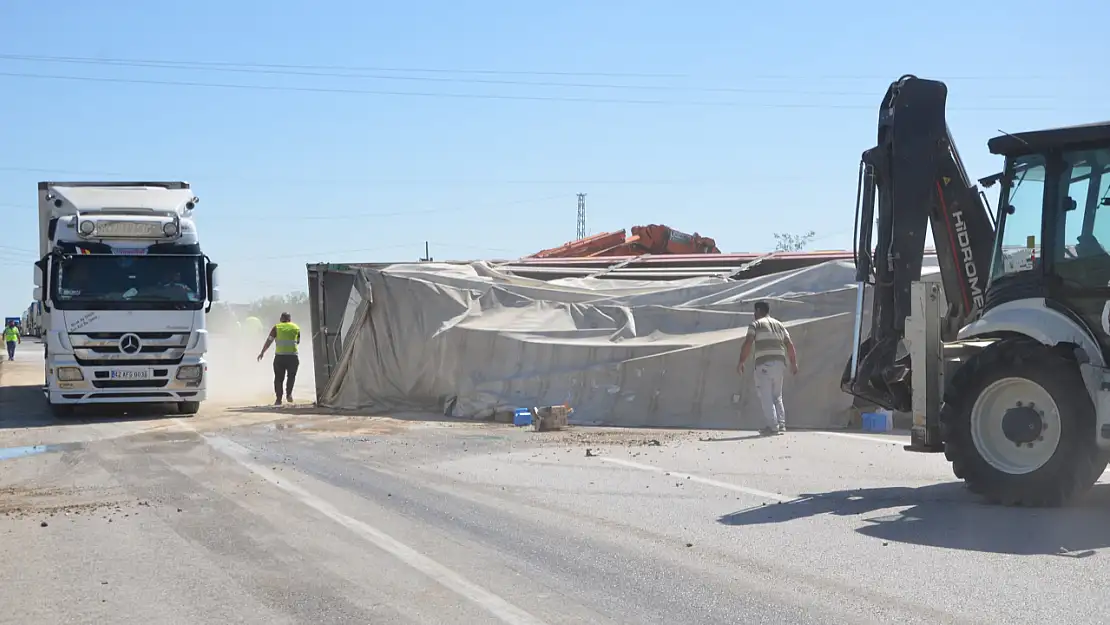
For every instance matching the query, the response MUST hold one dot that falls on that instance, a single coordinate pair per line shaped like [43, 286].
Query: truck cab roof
[136, 201]
[133, 195]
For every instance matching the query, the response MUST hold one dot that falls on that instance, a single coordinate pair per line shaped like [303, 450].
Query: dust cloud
[235, 377]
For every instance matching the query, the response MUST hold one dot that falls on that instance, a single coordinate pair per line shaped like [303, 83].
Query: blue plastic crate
[522, 416]
[877, 422]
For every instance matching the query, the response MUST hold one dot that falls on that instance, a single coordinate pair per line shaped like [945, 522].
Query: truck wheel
[1019, 426]
[62, 411]
[188, 407]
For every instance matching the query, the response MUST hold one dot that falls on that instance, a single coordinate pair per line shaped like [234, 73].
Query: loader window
[1018, 240]
[1083, 226]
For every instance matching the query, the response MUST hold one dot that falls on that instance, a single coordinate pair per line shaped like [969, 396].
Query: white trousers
[768, 387]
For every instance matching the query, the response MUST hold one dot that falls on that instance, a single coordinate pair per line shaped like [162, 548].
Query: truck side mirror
[42, 283]
[37, 294]
[213, 278]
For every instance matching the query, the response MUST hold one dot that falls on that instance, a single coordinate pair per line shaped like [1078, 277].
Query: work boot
[766, 432]
[288, 398]
[277, 402]
[782, 428]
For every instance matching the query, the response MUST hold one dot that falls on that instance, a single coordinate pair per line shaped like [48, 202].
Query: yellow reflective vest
[286, 336]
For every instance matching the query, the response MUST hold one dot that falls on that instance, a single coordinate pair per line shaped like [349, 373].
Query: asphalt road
[250, 514]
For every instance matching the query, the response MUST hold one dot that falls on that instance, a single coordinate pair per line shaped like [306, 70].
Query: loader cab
[1053, 232]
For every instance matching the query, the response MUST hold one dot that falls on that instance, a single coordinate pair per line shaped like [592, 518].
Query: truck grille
[108, 362]
[102, 349]
[129, 383]
[116, 336]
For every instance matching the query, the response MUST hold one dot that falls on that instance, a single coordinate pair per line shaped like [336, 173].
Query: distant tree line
[224, 316]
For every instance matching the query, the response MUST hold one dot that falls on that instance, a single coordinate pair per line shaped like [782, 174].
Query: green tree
[268, 308]
[224, 318]
[789, 242]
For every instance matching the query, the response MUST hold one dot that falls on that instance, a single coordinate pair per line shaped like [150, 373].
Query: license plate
[129, 374]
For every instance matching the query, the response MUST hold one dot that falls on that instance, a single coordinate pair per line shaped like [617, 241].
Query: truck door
[1078, 236]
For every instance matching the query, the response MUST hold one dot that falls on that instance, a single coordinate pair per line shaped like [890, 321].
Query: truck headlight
[69, 374]
[86, 227]
[170, 229]
[189, 372]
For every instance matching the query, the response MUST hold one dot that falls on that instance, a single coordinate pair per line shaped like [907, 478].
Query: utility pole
[581, 215]
[427, 256]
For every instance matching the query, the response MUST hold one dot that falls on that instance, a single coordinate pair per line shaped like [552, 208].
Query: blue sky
[732, 119]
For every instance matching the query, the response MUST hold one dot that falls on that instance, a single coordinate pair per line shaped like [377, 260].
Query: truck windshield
[157, 280]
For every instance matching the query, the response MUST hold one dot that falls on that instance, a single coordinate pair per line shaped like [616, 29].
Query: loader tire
[1019, 425]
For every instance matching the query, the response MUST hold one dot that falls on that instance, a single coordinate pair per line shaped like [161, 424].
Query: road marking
[702, 480]
[495, 605]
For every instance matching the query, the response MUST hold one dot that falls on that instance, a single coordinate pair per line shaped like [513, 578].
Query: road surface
[250, 514]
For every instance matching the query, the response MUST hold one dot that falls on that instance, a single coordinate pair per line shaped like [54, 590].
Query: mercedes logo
[130, 344]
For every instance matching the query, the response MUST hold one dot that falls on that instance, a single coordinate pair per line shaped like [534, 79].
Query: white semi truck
[124, 287]
[32, 320]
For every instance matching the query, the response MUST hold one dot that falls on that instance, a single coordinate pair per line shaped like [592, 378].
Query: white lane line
[495, 605]
[702, 480]
[864, 437]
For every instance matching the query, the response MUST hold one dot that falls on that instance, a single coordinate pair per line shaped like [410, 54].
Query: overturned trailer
[625, 341]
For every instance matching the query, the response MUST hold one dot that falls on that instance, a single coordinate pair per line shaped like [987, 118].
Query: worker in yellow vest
[11, 338]
[285, 336]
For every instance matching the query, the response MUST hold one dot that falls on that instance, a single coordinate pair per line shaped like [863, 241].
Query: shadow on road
[23, 406]
[312, 410]
[292, 410]
[730, 439]
[948, 516]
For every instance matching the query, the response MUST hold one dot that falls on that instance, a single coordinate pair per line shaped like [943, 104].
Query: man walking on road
[11, 338]
[770, 341]
[287, 336]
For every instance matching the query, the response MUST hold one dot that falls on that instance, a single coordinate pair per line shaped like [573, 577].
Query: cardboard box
[550, 418]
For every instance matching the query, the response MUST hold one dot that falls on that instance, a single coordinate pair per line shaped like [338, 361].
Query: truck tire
[1019, 425]
[188, 407]
[62, 411]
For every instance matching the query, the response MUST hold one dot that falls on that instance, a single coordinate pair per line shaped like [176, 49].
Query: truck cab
[124, 288]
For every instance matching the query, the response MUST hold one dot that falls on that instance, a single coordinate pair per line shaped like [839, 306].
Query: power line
[13, 261]
[414, 182]
[347, 68]
[482, 96]
[500, 72]
[230, 68]
[480, 248]
[319, 254]
[404, 213]
[381, 248]
[429, 211]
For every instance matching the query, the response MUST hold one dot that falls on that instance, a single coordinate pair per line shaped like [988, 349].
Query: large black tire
[1075, 464]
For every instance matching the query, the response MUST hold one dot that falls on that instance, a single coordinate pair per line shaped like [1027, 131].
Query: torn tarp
[469, 340]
